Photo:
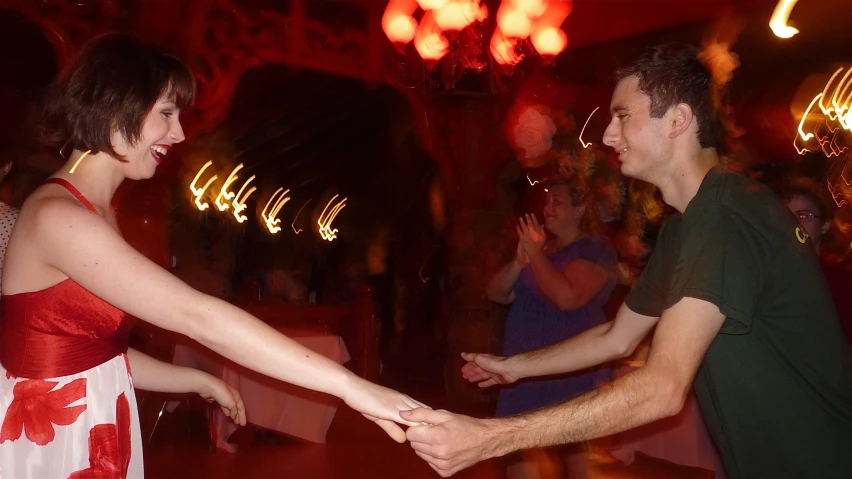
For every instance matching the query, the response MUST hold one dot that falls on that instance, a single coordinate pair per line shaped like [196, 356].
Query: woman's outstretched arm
[81, 245]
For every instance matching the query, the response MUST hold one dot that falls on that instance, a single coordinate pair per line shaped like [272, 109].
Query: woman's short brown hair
[111, 86]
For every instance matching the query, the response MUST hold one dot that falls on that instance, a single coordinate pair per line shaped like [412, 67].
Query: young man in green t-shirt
[734, 289]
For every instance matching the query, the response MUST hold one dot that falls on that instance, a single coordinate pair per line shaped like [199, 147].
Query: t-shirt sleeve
[599, 251]
[648, 296]
[720, 262]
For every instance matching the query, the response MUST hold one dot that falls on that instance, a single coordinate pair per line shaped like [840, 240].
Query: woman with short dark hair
[71, 284]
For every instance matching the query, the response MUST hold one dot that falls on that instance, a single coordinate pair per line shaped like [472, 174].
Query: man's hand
[487, 370]
[380, 405]
[450, 442]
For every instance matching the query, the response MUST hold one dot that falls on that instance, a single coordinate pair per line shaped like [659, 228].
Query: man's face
[636, 137]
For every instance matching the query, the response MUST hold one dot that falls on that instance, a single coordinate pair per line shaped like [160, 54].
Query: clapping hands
[531, 236]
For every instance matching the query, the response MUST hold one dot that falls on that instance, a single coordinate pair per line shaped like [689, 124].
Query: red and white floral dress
[67, 403]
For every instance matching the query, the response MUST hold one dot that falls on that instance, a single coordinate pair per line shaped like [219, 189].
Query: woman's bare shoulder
[52, 204]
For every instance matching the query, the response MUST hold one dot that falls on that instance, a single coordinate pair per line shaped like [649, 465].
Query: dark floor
[355, 449]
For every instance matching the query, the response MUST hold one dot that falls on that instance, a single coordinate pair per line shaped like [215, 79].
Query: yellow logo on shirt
[801, 235]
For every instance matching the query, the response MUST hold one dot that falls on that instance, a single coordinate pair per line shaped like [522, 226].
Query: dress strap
[74, 191]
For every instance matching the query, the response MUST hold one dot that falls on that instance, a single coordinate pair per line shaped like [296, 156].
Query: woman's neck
[96, 176]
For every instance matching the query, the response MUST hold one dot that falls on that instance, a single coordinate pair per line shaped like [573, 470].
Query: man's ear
[681, 118]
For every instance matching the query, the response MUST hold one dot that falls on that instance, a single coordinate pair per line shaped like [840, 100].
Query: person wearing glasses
[802, 197]
[803, 200]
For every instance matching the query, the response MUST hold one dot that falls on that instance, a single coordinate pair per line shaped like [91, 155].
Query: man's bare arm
[606, 342]
[685, 331]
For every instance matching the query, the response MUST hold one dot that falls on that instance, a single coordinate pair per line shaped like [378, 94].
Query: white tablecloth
[270, 403]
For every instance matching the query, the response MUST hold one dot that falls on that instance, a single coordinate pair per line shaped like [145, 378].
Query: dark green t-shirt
[775, 387]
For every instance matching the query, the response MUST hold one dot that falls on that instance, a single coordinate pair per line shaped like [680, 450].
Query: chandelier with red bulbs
[519, 23]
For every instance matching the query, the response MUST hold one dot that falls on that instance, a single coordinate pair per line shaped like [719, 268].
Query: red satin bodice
[61, 330]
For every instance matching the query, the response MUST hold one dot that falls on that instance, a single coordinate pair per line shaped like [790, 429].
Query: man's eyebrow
[617, 108]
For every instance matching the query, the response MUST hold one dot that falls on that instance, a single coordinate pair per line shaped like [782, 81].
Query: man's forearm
[589, 348]
[631, 401]
[606, 342]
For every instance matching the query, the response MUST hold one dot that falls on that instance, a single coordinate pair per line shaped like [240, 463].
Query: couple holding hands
[71, 284]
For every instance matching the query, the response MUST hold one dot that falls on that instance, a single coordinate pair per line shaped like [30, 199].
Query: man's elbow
[619, 346]
[670, 398]
[624, 349]
[625, 342]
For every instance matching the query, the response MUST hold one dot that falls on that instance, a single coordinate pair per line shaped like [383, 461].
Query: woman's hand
[380, 405]
[531, 234]
[214, 389]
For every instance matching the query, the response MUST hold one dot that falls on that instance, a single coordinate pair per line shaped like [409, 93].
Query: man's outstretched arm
[453, 442]
[606, 342]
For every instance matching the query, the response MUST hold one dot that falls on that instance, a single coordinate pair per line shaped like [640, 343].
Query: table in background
[270, 404]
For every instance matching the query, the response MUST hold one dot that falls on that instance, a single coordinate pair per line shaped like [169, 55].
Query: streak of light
[224, 193]
[270, 220]
[779, 18]
[293, 224]
[327, 216]
[239, 202]
[76, 163]
[586, 145]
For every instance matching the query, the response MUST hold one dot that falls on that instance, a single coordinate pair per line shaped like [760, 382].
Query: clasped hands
[451, 442]
[531, 239]
[447, 442]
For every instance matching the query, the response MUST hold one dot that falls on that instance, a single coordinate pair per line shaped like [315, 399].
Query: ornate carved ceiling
[223, 39]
